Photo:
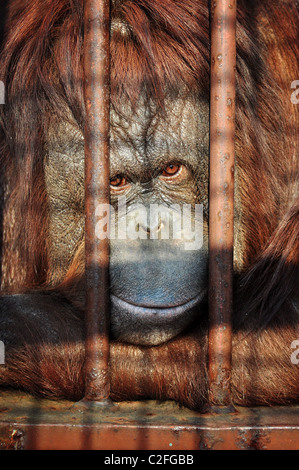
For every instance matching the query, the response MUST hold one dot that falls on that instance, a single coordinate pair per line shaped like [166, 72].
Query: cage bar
[97, 104]
[221, 198]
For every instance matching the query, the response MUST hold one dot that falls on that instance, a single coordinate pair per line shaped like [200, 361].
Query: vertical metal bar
[221, 198]
[97, 103]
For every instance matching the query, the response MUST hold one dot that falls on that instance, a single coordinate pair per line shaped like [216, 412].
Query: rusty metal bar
[38, 424]
[221, 198]
[97, 103]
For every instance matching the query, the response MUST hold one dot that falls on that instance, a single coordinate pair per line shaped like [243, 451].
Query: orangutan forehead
[145, 136]
[152, 135]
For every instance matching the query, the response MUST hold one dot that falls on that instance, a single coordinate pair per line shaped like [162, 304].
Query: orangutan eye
[173, 172]
[172, 169]
[119, 182]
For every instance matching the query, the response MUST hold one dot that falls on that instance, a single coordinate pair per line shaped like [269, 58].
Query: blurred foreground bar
[97, 103]
[221, 197]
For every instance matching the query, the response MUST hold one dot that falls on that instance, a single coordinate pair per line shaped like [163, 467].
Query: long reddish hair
[156, 45]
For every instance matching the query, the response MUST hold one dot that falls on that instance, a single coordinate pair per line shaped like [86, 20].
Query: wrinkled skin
[156, 284]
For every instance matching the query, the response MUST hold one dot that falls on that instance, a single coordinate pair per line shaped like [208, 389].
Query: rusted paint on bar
[38, 424]
[221, 207]
[97, 102]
